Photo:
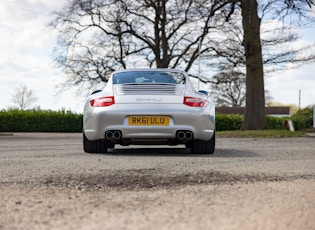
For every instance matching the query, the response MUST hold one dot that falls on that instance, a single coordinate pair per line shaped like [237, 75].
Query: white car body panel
[149, 99]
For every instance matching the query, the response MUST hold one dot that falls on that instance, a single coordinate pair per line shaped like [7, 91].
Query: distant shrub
[303, 119]
[275, 122]
[234, 122]
[228, 122]
[15, 120]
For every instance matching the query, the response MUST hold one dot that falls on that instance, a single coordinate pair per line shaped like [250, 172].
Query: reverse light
[102, 101]
[195, 102]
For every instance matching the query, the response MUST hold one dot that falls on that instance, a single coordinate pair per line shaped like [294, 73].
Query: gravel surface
[48, 182]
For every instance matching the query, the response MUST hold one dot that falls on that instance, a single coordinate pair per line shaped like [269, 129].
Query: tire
[99, 146]
[203, 147]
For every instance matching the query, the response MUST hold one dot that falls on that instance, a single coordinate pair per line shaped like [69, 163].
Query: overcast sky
[26, 47]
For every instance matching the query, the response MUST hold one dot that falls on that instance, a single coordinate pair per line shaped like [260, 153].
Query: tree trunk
[255, 96]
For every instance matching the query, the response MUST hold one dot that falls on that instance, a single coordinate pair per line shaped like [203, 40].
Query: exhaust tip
[180, 135]
[184, 135]
[109, 135]
[117, 135]
[188, 135]
[113, 135]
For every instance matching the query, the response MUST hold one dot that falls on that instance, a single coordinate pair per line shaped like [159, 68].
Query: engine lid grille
[149, 89]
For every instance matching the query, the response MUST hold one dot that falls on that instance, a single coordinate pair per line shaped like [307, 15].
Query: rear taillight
[195, 102]
[102, 101]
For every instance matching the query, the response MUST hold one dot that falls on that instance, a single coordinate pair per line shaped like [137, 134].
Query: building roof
[271, 110]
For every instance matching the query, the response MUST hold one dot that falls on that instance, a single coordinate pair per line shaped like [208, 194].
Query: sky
[26, 58]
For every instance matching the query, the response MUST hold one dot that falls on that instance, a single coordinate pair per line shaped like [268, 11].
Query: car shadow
[134, 151]
[180, 152]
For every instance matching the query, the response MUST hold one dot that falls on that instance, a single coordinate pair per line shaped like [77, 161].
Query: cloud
[26, 45]
[26, 54]
[285, 86]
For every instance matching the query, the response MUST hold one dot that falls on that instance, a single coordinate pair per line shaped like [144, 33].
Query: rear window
[143, 77]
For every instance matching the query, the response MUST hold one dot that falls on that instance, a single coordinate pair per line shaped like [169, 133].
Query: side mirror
[96, 91]
[204, 92]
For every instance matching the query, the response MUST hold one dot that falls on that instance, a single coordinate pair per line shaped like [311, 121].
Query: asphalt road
[39, 156]
[35, 164]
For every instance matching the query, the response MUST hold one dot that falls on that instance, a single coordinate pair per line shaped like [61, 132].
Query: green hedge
[275, 122]
[234, 122]
[40, 121]
[67, 121]
[228, 122]
[303, 119]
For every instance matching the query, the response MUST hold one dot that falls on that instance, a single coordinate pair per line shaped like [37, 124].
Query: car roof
[148, 69]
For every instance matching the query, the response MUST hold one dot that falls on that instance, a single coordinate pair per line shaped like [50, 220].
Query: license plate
[149, 120]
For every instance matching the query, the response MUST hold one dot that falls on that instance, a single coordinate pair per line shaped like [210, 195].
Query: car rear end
[149, 113]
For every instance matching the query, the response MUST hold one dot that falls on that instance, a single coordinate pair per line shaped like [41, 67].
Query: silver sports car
[149, 107]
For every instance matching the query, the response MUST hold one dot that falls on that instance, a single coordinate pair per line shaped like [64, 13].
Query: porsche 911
[149, 107]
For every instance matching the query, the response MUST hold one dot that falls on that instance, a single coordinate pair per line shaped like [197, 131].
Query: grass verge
[260, 133]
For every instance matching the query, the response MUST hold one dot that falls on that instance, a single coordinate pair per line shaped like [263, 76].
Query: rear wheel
[203, 147]
[99, 146]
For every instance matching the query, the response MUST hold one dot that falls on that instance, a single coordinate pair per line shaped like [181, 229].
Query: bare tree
[100, 36]
[253, 52]
[278, 49]
[255, 93]
[230, 89]
[24, 98]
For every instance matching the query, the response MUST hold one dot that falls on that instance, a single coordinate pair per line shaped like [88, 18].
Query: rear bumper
[96, 121]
